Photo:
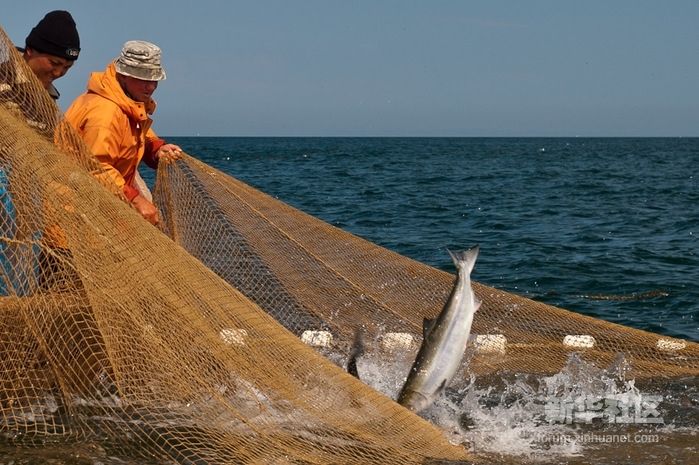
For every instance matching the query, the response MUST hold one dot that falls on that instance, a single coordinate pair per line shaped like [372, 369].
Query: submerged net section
[185, 343]
[112, 334]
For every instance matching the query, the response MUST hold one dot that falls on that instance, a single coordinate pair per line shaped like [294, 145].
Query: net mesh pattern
[311, 275]
[182, 343]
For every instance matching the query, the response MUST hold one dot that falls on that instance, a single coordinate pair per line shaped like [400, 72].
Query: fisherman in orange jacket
[113, 119]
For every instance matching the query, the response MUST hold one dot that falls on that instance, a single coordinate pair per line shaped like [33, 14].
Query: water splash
[512, 415]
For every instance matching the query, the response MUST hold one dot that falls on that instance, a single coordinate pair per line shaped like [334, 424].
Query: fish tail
[465, 259]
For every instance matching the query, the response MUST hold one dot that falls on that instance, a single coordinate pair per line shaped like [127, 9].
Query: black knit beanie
[57, 35]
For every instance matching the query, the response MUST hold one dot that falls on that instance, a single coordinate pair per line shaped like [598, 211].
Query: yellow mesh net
[313, 276]
[187, 343]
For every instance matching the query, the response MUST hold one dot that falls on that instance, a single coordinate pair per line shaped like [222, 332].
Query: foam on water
[515, 416]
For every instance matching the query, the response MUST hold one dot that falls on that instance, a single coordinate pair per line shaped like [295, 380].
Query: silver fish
[444, 340]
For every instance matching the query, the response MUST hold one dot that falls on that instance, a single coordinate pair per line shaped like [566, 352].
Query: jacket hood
[105, 84]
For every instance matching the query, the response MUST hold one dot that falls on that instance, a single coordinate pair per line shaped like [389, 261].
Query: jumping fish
[444, 339]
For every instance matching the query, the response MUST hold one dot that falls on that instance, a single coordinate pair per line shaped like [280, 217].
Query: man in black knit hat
[52, 47]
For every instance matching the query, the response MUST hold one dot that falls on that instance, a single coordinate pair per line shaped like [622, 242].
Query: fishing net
[203, 341]
[312, 276]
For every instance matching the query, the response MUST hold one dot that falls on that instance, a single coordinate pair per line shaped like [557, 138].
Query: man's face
[138, 89]
[47, 67]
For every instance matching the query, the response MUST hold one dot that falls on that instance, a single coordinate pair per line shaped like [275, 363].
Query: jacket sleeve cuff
[130, 192]
[152, 147]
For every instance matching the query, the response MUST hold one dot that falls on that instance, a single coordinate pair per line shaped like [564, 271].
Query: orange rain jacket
[116, 128]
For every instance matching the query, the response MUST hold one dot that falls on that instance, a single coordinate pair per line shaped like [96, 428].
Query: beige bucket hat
[140, 59]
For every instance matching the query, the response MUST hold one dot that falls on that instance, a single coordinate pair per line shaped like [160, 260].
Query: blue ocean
[607, 227]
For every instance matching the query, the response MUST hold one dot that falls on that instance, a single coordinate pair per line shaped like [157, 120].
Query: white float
[579, 341]
[317, 338]
[668, 345]
[490, 343]
[233, 336]
[397, 341]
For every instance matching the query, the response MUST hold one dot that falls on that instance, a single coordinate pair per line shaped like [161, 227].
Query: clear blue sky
[400, 67]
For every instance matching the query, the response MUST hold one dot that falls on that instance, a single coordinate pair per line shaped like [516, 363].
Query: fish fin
[427, 325]
[413, 400]
[465, 259]
[441, 387]
[352, 368]
[356, 351]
